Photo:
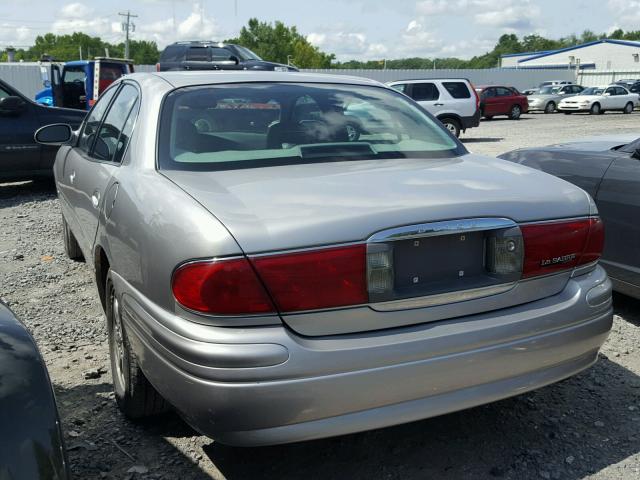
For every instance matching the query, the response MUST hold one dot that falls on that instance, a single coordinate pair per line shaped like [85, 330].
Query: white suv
[453, 101]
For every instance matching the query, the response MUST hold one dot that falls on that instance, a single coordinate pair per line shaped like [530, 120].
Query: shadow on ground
[18, 193]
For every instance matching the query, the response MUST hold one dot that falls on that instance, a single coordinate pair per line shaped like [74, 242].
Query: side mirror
[56, 134]
[234, 59]
[12, 105]
[606, 94]
[636, 154]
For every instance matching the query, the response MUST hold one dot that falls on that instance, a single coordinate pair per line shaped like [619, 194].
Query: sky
[360, 29]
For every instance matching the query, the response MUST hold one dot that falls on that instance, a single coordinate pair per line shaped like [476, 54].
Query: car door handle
[438, 104]
[95, 199]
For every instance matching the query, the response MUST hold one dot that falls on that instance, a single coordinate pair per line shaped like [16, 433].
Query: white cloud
[626, 14]
[347, 45]
[75, 10]
[196, 26]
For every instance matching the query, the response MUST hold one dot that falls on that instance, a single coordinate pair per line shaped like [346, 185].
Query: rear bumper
[472, 121]
[266, 385]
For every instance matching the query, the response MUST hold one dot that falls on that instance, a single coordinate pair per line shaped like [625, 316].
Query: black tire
[71, 247]
[515, 112]
[452, 125]
[488, 117]
[135, 396]
[550, 107]
[595, 109]
[628, 108]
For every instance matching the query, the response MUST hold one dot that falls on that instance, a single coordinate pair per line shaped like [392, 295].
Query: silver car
[547, 98]
[287, 256]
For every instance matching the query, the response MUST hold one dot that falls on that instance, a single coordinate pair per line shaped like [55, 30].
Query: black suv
[214, 56]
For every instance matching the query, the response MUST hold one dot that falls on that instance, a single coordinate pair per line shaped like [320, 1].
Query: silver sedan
[287, 256]
[548, 98]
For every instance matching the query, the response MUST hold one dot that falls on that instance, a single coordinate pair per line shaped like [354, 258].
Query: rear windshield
[262, 124]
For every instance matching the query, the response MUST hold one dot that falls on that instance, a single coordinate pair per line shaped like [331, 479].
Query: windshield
[246, 54]
[261, 124]
[548, 90]
[592, 91]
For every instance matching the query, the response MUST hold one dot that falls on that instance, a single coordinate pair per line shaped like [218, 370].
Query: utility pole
[127, 26]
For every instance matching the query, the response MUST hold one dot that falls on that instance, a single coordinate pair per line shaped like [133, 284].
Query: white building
[604, 54]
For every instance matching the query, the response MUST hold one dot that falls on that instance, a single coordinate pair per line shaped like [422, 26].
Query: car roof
[416, 80]
[185, 79]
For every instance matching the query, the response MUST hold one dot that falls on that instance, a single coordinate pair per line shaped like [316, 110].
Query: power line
[127, 26]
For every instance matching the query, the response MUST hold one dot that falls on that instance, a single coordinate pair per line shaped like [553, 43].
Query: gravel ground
[584, 427]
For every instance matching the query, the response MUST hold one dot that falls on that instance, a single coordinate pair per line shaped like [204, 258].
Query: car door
[198, 58]
[90, 166]
[18, 150]
[625, 97]
[610, 99]
[618, 200]
[427, 95]
[490, 102]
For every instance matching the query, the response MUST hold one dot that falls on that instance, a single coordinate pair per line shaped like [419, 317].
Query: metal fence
[520, 79]
[592, 78]
[27, 78]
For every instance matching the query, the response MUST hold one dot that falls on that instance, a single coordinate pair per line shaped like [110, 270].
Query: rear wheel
[71, 247]
[452, 125]
[595, 109]
[628, 108]
[550, 107]
[515, 112]
[135, 396]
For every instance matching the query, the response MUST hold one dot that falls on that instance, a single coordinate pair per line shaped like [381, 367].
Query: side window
[220, 54]
[577, 89]
[504, 92]
[92, 123]
[489, 93]
[108, 143]
[457, 89]
[173, 53]
[610, 91]
[621, 91]
[198, 54]
[424, 92]
[401, 87]
[3, 93]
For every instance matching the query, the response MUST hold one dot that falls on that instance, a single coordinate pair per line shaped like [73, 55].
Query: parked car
[453, 101]
[277, 279]
[626, 82]
[79, 83]
[547, 99]
[498, 100]
[608, 168]
[597, 100]
[204, 55]
[32, 442]
[550, 83]
[21, 157]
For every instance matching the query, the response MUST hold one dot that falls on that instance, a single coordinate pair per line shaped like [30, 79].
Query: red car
[499, 100]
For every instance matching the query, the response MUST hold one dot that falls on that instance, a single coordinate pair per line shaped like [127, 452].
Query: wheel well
[102, 268]
[450, 117]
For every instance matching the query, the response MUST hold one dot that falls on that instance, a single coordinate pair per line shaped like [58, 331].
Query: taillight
[331, 277]
[157, 67]
[224, 287]
[557, 246]
[473, 89]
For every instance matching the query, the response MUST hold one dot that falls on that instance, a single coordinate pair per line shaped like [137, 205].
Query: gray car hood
[286, 207]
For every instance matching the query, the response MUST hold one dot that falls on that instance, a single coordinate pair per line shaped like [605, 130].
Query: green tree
[278, 43]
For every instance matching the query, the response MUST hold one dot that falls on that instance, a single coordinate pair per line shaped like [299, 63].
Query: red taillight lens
[224, 287]
[331, 277]
[157, 67]
[552, 247]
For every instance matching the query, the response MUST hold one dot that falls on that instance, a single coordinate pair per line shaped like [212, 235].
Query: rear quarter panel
[580, 168]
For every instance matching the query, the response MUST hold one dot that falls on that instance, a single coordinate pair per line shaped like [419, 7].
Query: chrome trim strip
[442, 298]
[557, 220]
[582, 269]
[435, 229]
